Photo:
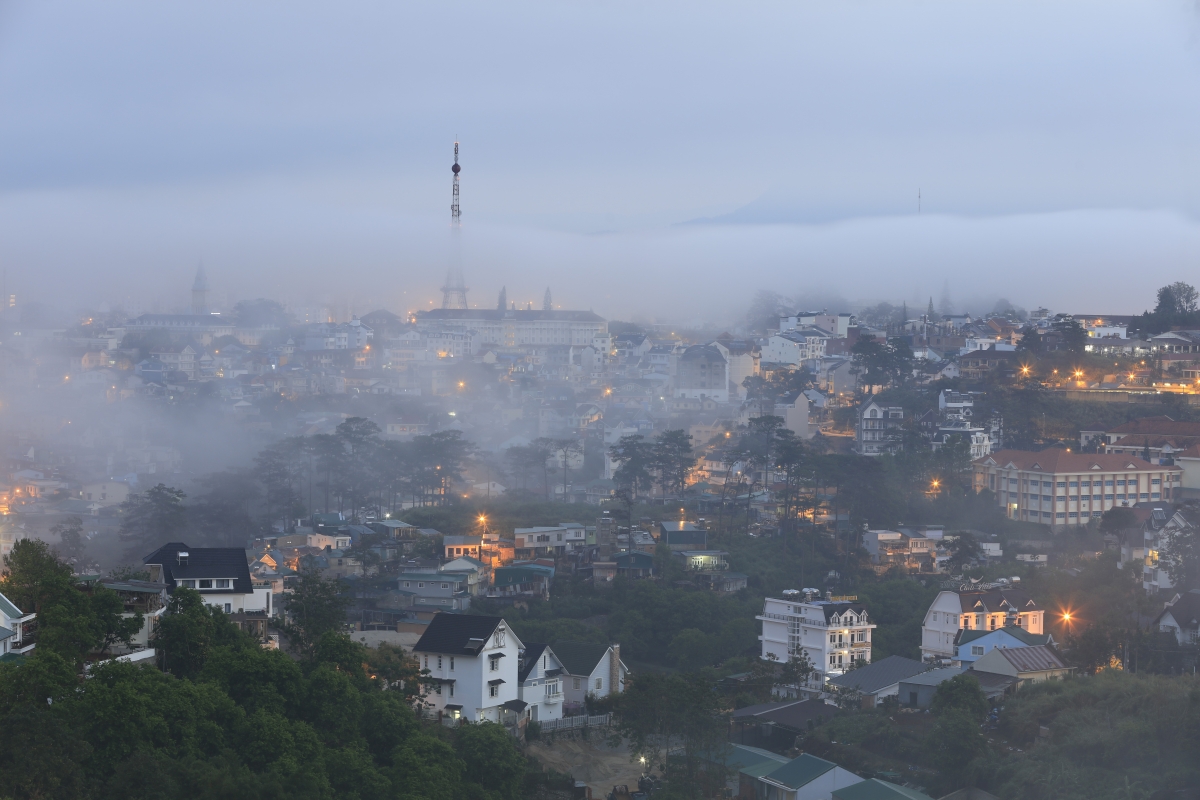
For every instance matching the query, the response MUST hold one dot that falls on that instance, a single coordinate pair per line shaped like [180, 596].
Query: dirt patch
[591, 761]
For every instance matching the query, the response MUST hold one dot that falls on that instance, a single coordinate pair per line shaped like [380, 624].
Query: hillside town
[463, 485]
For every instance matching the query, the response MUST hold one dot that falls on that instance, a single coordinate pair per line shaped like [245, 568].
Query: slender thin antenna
[454, 293]
[918, 201]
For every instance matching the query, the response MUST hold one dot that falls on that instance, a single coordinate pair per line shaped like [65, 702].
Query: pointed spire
[929, 313]
[547, 305]
[200, 292]
[502, 305]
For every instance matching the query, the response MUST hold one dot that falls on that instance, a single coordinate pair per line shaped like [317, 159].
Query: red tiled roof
[1162, 426]
[1156, 440]
[1057, 460]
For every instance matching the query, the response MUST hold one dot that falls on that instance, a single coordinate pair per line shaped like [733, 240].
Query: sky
[659, 161]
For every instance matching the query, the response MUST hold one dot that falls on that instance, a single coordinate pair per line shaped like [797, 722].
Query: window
[205, 583]
[1108, 483]
[976, 649]
[451, 663]
[543, 662]
[451, 685]
[493, 663]
[426, 662]
[1120, 483]
[187, 584]
[445, 586]
[228, 608]
[1061, 484]
[494, 690]
[1074, 484]
[222, 583]
[577, 683]
[599, 684]
[439, 662]
[407, 584]
[438, 688]
[420, 586]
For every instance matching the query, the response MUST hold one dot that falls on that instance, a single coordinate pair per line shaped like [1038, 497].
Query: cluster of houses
[996, 633]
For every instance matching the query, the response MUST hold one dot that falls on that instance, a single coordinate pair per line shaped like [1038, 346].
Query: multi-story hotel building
[833, 633]
[1059, 488]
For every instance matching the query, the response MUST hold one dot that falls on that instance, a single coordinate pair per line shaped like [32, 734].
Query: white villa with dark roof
[472, 668]
[541, 677]
[220, 574]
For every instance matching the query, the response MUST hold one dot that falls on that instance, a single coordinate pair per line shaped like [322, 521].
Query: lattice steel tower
[454, 293]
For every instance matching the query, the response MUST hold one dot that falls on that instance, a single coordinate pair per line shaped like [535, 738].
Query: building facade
[989, 610]
[702, 372]
[1058, 488]
[833, 633]
[517, 327]
[877, 428]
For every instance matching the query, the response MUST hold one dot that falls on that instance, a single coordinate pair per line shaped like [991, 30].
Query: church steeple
[200, 292]
[503, 304]
[547, 305]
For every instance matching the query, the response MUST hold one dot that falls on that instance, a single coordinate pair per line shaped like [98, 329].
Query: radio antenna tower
[454, 293]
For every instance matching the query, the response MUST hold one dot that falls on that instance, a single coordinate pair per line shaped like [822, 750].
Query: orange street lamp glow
[1066, 616]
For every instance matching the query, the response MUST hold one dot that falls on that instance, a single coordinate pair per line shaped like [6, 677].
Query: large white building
[518, 327]
[473, 665]
[988, 610]
[834, 633]
[1058, 488]
[796, 347]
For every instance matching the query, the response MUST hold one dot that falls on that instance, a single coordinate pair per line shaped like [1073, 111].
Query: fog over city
[301, 151]
[600, 399]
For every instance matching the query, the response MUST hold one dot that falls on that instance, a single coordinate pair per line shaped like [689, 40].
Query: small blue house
[970, 645]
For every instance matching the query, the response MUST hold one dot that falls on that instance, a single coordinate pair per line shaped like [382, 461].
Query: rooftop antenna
[454, 293]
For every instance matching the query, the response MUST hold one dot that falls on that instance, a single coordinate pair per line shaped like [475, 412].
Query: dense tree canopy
[227, 719]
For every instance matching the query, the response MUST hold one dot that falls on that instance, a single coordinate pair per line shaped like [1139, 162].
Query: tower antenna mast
[454, 293]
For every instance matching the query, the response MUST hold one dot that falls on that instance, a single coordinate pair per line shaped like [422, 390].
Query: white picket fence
[582, 721]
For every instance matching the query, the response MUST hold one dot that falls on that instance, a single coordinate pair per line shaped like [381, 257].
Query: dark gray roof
[203, 562]
[841, 608]
[452, 634]
[993, 683]
[579, 658]
[880, 674]
[1185, 611]
[996, 600]
[793, 714]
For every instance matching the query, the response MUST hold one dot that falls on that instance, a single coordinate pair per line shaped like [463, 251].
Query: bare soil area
[594, 762]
